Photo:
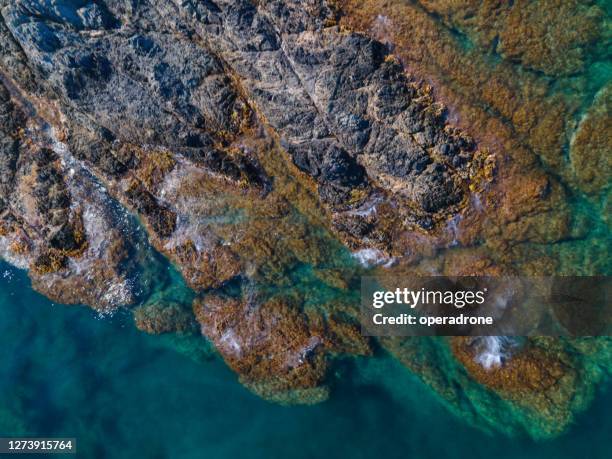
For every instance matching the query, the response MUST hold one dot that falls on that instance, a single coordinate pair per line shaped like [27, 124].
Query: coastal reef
[226, 171]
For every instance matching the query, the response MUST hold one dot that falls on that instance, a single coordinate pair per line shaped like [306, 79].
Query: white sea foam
[118, 293]
[477, 202]
[370, 257]
[453, 227]
[366, 209]
[493, 351]
[229, 342]
[8, 255]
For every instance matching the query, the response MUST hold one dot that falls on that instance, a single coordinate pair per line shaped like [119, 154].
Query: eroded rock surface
[272, 150]
[58, 222]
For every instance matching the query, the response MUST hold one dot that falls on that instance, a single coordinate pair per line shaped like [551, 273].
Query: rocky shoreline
[274, 151]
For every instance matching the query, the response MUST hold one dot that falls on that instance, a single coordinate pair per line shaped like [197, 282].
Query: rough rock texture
[57, 222]
[527, 120]
[277, 351]
[540, 377]
[590, 145]
[272, 150]
[555, 37]
[341, 104]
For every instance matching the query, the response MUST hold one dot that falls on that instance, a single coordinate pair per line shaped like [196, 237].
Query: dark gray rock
[192, 77]
[10, 121]
[133, 72]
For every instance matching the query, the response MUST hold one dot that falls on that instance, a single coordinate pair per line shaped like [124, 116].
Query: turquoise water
[121, 393]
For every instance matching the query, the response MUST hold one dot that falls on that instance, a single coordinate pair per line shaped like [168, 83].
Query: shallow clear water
[121, 393]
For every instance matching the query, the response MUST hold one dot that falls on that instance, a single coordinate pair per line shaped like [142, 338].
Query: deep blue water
[121, 393]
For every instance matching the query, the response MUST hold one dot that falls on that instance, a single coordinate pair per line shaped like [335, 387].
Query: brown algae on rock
[273, 152]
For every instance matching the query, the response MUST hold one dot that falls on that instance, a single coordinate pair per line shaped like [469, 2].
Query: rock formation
[274, 150]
